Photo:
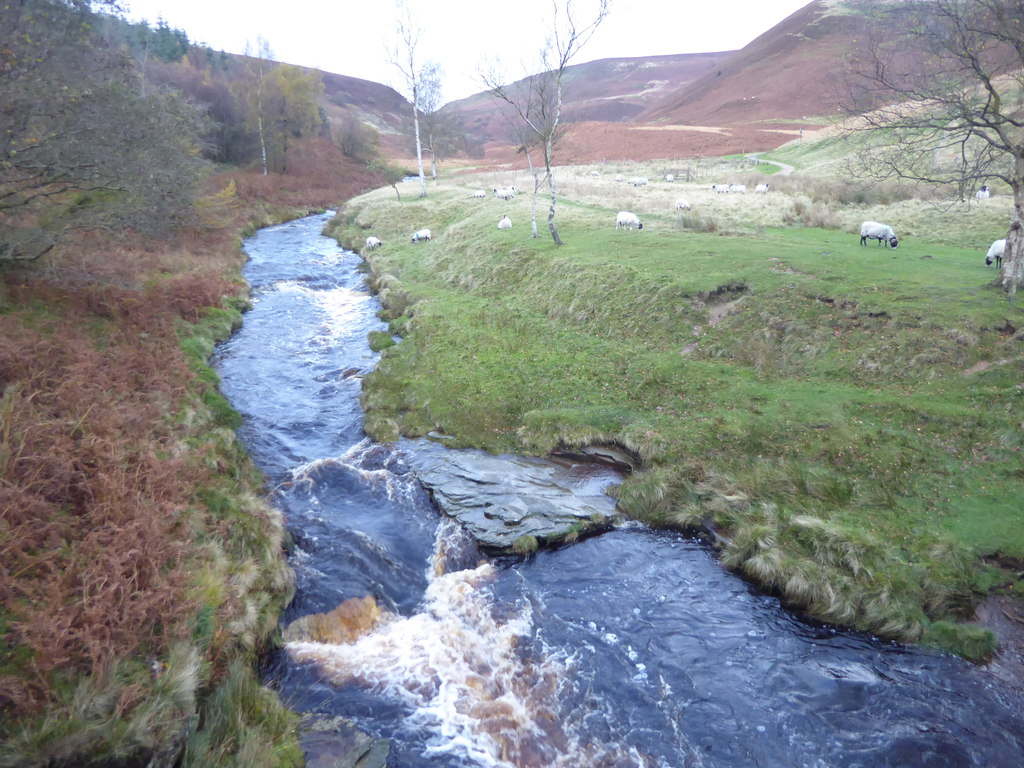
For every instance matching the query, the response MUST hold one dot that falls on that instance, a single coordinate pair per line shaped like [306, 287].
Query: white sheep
[738, 188]
[504, 223]
[420, 234]
[719, 188]
[619, 177]
[373, 242]
[479, 193]
[669, 177]
[983, 193]
[881, 232]
[625, 219]
[505, 193]
[682, 204]
[594, 173]
[761, 189]
[995, 253]
[639, 181]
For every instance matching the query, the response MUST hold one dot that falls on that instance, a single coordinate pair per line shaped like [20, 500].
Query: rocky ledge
[513, 504]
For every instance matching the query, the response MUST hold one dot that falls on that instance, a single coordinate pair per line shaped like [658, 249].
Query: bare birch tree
[403, 57]
[429, 103]
[260, 67]
[531, 97]
[537, 100]
[950, 79]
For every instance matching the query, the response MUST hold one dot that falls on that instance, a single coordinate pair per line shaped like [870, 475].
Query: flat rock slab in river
[501, 499]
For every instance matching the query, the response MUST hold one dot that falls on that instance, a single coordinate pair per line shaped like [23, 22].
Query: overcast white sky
[350, 37]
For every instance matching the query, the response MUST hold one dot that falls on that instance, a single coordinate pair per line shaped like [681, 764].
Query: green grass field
[847, 418]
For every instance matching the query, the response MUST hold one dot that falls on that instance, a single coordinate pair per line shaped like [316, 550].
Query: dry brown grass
[92, 502]
[95, 491]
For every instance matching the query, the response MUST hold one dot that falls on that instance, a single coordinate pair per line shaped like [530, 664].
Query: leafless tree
[261, 66]
[403, 57]
[537, 99]
[944, 99]
[531, 95]
[430, 103]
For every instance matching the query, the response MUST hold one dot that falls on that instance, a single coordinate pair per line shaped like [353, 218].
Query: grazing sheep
[738, 188]
[669, 177]
[619, 177]
[504, 223]
[995, 253]
[594, 173]
[420, 234]
[761, 189]
[639, 181]
[881, 232]
[479, 193]
[625, 219]
[682, 204]
[373, 242]
[719, 188]
[983, 193]
[505, 193]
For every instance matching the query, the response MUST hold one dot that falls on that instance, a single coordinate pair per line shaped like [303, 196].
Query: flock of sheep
[629, 220]
[869, 230]
[872, 230]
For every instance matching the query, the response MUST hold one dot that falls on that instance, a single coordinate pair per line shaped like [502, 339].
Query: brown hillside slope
[791, 72]
[606, 90]
[787, 80]
[380, 105]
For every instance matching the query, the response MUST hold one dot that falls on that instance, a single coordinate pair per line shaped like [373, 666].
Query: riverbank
[843, 416]
[144, 572]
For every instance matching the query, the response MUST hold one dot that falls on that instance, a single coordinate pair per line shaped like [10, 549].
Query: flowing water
[632, 648]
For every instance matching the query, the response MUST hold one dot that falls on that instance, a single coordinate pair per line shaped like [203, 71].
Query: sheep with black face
[883, 233]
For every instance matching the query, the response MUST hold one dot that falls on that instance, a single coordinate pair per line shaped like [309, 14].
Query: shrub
[695, 223]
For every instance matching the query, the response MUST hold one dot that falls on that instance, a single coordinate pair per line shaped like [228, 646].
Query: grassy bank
[846, 418]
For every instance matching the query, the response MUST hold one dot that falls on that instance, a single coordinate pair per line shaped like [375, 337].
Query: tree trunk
[533, 208]
[259, 118]
[1012, 276]
[551, 212]
[537, 183]
[419, 145]
[263, 140]
[554, 195]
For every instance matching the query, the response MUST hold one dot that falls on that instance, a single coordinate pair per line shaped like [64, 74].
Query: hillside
[381, 106]
[788, 74]
[606, 90]
[786, 81]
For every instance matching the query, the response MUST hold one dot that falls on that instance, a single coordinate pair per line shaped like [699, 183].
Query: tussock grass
[833, 420]
[244, 724]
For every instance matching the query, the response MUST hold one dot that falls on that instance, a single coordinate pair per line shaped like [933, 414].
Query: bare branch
[536, 100]
[946, 105]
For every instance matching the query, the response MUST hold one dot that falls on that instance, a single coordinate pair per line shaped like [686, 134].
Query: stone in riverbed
[334, 742]
[501, 499]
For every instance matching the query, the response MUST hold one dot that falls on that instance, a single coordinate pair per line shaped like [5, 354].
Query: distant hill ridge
[788, 73]
[786, 80]
[753, 99]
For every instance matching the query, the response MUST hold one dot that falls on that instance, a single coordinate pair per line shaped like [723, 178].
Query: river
[631, 648]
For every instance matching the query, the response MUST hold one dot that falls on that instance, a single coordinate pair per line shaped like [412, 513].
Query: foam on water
[461, 669]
